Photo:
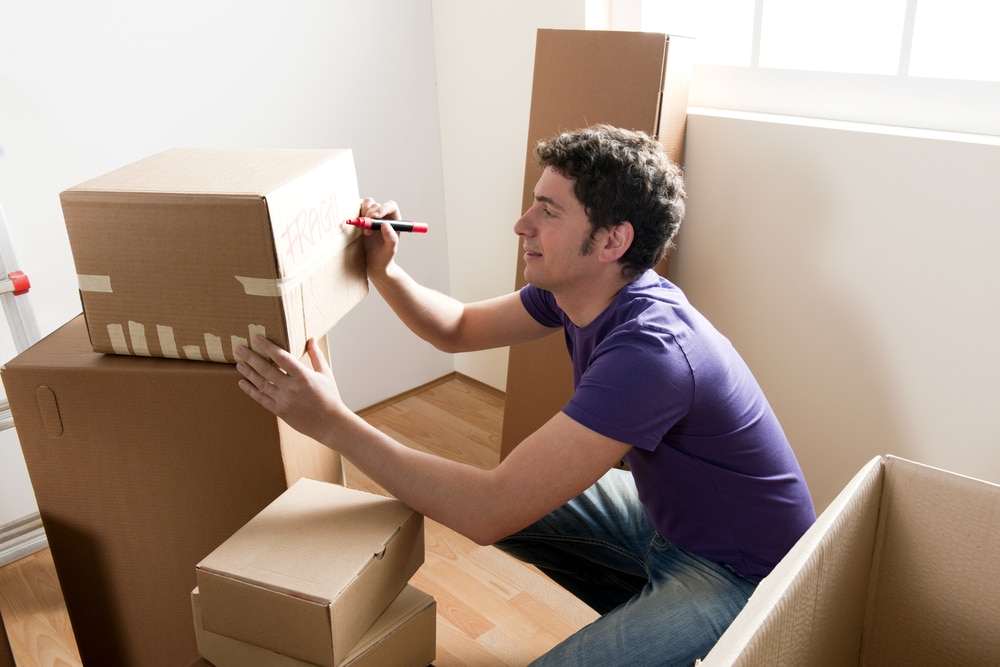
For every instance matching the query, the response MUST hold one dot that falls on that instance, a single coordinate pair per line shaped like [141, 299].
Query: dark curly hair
[622, 175]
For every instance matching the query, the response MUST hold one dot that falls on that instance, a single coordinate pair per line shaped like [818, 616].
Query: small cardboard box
[309, 575]
[188, 253]
[403, 636]
[141, 466]
[898, 570]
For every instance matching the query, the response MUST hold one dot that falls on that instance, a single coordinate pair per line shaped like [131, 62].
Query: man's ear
[618, 240]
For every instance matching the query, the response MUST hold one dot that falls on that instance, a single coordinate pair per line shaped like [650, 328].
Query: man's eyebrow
[548, 200]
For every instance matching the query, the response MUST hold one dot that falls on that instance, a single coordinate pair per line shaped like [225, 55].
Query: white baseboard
[21, 538]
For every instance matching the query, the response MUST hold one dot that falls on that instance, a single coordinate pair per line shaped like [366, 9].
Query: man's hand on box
[307, 399]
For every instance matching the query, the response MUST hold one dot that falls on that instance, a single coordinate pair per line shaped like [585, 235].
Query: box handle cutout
[49, 410]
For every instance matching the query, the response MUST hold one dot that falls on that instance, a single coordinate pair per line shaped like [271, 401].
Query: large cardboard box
[403, 636]
[898, 570]
[141, 466]
[312, 572]
[637, 80]
[188, 253]
[6, 656]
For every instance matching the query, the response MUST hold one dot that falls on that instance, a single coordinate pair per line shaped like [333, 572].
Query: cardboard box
[898, 570]
[637, 80]
[403, 636]
[310, 574]
[188, 253]
[6, 657]
[141, 466]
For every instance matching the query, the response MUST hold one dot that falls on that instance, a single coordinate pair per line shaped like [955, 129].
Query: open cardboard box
[900, 569]
[190, 252]
[310, 574]
[403, 636]
[141, 466]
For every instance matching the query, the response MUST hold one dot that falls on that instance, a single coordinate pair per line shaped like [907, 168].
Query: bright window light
[722, 29]
[956, 39]
[855, 36]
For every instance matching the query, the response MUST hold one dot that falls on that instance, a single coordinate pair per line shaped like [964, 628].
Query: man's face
[555, 234]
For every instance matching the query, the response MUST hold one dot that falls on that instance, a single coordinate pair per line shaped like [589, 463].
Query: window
[930, 64]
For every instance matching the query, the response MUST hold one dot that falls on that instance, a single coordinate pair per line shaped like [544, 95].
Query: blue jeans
[659, 604]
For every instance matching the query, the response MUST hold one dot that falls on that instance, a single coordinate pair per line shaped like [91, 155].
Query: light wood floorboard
[492, 610]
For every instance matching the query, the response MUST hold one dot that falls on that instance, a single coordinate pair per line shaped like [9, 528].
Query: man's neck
[584, 304]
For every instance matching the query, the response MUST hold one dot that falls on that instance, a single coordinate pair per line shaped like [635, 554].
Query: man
[667, 552]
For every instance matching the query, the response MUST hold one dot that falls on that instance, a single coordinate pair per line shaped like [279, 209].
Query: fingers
[388, 210]
[317, 358]
[263, 373]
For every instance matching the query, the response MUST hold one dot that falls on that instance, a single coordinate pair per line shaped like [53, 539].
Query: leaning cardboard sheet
[319, 577]
[899, 570]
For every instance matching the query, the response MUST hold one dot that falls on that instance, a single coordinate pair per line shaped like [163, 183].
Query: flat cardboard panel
[140, 467]
[324, 559]
[892, 573]
[583, 77]
[933, 599]
[403, 636]
[188, 253]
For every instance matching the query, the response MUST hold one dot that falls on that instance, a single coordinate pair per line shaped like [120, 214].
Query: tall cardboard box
[898, 570]
[189, 253]
[403, 636]
[6, 656]
[141, 466]
[636, 80]
[310, 574]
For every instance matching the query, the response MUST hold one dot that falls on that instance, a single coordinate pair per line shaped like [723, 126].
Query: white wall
[854, 268]
[88, 87]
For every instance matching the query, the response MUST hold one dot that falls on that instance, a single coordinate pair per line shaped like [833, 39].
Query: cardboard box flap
[938, 536]
[821, 582]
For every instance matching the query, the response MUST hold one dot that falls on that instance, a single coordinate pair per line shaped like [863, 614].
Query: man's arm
[551, 466]
[453, 326]
[444, 322]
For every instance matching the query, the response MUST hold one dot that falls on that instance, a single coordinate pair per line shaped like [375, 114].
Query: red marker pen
[398, 225]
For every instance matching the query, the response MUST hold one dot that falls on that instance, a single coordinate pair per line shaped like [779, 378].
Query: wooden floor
[492, 610]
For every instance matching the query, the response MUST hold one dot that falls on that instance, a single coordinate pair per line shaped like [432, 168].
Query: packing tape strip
[276, 287]
[93, 283]
[168, 345]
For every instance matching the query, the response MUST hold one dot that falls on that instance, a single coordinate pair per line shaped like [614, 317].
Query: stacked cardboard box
[319, 577]
[188, 253]
[141, 458]
[6, 657]
[896, 571]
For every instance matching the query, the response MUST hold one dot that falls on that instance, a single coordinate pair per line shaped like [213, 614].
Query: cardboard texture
[140, 467]
[6, 657]
[634, 80]
[312, 572]
[188, 253]
[896, 571]
[403, 636]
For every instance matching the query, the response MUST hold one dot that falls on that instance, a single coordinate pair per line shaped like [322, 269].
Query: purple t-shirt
[715, 472]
